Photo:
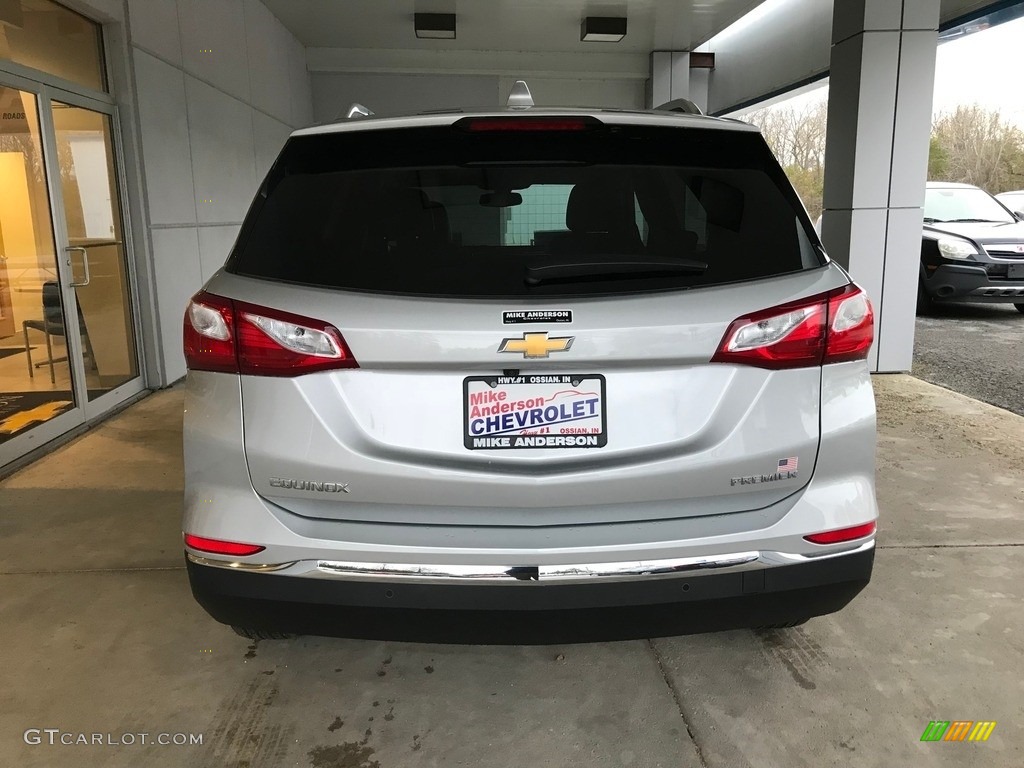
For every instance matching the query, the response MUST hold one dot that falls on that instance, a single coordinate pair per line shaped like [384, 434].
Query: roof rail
[357, 110]
[520, 97]
[680, 105]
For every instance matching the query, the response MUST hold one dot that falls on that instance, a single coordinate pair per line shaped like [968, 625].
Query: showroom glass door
[68, 341]
[90, 237]
[39, 387]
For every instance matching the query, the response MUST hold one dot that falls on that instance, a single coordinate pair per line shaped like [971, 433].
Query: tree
[976, 146]
[797, 137]
[970, 145]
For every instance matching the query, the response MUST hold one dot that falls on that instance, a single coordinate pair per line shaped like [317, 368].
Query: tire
[260, 634]
[925, 305]
[1020, 308]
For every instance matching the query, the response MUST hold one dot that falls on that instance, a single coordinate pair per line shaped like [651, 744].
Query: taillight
[842, 534]
[851, 325]
[219, 547]
[826, 328]
[238, 337]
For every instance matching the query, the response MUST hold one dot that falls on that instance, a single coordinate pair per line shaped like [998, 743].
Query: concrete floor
[100, 635]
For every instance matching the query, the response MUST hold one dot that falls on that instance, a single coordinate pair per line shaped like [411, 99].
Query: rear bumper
[520, 610]
[966, 283]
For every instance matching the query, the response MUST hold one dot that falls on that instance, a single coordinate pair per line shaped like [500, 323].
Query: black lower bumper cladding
[530, 612]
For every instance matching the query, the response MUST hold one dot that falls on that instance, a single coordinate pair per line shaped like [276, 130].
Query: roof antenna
[685, 106]
[520, 97]
[358, 110]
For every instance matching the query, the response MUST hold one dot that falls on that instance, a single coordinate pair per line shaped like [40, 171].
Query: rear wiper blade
[610, 270]
[972, 221]
[930, 220]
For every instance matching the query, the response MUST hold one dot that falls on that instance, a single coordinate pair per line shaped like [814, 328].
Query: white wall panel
[166, 152]
[268, 45]
[575, 92]
[333, 92]
[154, 26]
[223, 153]
[269, 135]
[213, 44]
[219, 85]
[178, 276]
[214, 246]
[300, 85]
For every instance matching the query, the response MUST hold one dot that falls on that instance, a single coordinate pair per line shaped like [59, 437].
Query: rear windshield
[441, 211]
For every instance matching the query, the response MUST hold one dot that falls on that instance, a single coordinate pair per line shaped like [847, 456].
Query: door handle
[85, 265]
[100, 244]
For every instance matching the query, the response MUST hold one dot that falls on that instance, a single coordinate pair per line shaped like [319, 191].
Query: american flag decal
[788, 465]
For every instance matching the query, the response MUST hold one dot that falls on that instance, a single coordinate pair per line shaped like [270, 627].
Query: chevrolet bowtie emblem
[536, 344]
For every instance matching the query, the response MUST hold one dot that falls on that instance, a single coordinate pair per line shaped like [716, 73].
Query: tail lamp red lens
[218, 547]
[237, 337]
[830, 327]
[842, 534]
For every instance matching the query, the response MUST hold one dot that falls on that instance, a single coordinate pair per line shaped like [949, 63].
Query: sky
[986, 68]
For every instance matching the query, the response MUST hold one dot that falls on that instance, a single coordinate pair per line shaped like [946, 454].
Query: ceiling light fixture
[435, 26]
[603, 29]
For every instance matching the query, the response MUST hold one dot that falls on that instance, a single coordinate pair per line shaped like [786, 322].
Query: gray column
[670, 77]
[876, 159]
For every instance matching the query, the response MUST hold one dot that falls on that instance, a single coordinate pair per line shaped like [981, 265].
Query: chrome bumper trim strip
[621, 571]
[239, 566]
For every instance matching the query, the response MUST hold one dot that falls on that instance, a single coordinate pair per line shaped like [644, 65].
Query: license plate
[1015, 272]
[538, 411]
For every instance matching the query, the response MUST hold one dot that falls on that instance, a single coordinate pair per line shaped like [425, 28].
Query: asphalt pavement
[975, 349]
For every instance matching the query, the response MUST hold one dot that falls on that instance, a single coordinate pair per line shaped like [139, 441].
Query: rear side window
[442, 212]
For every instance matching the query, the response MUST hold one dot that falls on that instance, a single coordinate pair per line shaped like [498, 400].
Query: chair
[52, 324]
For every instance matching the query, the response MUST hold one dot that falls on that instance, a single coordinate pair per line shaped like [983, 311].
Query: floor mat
[12, 351]
[20, 411]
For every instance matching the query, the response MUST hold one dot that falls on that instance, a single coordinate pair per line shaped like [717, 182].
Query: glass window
[436, 211]
[962, 204]
[88, 185]
[35, 377]
[46, 36]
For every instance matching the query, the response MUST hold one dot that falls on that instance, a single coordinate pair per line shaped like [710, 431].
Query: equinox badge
[308, 485]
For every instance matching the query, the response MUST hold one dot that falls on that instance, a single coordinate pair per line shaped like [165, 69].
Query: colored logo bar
[958, 730]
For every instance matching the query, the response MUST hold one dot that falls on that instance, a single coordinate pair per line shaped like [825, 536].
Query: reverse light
[826, 328]
[843, 534]
[219, 547]
[237, 337]
[957, 249]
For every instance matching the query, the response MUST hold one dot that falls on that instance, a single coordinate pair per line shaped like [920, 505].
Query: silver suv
[527, 375]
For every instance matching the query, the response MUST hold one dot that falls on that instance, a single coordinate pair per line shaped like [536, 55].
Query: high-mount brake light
[526, 124]
[830, 327]
[237, 337]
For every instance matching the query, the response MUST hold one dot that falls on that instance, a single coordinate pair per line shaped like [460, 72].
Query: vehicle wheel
[784, 624]
[925, 305]
[261, 634]
[1020, 308]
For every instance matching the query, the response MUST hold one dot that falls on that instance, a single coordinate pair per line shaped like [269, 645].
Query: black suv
[972, 249]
